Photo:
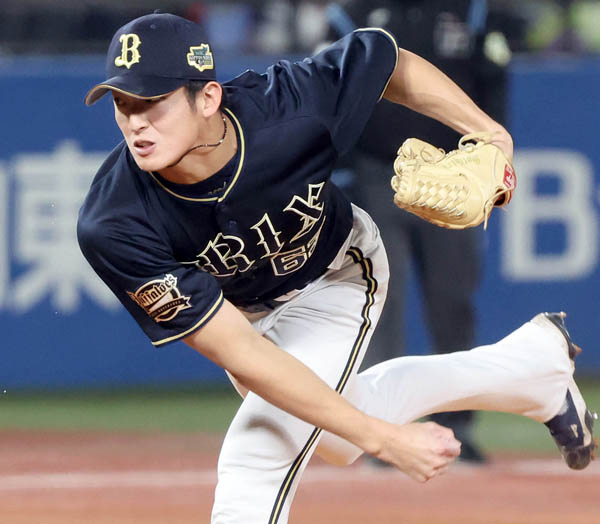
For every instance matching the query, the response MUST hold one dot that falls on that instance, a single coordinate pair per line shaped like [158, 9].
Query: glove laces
[467, 143]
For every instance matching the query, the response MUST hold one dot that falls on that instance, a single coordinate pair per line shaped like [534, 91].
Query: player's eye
[155, 100]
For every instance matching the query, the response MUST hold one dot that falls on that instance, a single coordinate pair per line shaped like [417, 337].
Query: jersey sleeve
[342, 84]
[167, 299]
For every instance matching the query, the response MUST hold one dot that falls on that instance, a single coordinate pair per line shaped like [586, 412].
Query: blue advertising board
[543, 253]
[63, 328]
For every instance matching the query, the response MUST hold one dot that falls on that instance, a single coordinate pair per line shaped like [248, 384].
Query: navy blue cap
[154, 55]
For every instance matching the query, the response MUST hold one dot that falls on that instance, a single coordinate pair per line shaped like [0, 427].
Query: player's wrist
[372, 438]
[502, 139]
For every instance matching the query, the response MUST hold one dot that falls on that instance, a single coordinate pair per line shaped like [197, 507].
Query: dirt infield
[105, 478]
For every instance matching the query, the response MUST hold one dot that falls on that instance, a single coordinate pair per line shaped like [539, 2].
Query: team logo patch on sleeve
[201, 57]
[161, 298]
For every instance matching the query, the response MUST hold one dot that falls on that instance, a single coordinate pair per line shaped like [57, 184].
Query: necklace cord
[216, 144]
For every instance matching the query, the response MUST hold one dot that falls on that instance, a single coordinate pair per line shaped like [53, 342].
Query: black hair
[193, 87]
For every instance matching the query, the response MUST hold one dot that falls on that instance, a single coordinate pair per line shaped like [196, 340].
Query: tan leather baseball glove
[457, 189]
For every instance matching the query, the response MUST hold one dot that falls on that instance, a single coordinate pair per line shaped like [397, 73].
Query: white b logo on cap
[129, 50]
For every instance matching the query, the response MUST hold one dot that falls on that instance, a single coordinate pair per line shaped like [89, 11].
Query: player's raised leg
[529, 372]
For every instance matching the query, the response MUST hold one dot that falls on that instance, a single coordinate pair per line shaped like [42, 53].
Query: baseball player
[215, 223]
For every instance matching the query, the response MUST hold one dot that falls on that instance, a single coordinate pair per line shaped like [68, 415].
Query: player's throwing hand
[421, 450]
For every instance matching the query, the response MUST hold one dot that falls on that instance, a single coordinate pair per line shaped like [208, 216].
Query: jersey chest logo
[225, 254]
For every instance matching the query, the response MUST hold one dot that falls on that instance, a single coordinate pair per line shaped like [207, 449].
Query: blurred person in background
[459, 39]
[565, 26]
[290, 25]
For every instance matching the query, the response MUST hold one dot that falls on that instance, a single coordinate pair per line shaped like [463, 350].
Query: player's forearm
[422, 87]
[288, 384]
[260, 366]
[420, 450]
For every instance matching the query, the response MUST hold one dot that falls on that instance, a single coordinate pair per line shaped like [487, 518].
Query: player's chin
[152, 162]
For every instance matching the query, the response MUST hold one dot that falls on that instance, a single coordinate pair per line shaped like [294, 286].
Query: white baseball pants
[328, 326]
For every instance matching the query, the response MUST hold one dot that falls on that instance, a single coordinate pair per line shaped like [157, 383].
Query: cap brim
[139, 86]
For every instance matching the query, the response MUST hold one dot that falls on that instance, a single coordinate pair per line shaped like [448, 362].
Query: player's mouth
[144, 147]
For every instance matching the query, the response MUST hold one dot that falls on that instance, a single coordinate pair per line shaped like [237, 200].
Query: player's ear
[208, 100]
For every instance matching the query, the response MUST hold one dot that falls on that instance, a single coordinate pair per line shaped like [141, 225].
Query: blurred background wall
[62, 328]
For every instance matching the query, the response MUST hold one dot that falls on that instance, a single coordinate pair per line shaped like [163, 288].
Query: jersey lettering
[290, 261]
[224, 256]
[129, 50]
[310, 210]
[269, 238]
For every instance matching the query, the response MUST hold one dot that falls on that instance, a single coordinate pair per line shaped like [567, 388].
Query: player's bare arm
[422, 87]
[422, 451]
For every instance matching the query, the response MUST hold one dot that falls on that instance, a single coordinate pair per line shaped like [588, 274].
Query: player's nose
[137, 122]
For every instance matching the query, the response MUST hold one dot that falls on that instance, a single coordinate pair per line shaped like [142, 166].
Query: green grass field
[198, 409]
[182, 409]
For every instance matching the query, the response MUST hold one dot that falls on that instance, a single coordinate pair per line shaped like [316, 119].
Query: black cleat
[470, 453]
[572, 427]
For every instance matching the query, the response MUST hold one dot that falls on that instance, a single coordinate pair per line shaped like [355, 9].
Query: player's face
[158, 131]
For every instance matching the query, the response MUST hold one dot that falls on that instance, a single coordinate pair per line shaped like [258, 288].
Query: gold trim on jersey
[235, 176]
[391, 37]
[367, 267]
[195, 326]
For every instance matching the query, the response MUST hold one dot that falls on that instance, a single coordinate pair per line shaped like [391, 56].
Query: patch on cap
[201, 57]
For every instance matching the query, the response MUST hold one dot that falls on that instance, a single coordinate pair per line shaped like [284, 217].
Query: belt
[262, 307]
[269, 305]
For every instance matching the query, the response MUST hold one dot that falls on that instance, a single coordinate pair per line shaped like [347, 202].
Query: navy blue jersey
[269, 222]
